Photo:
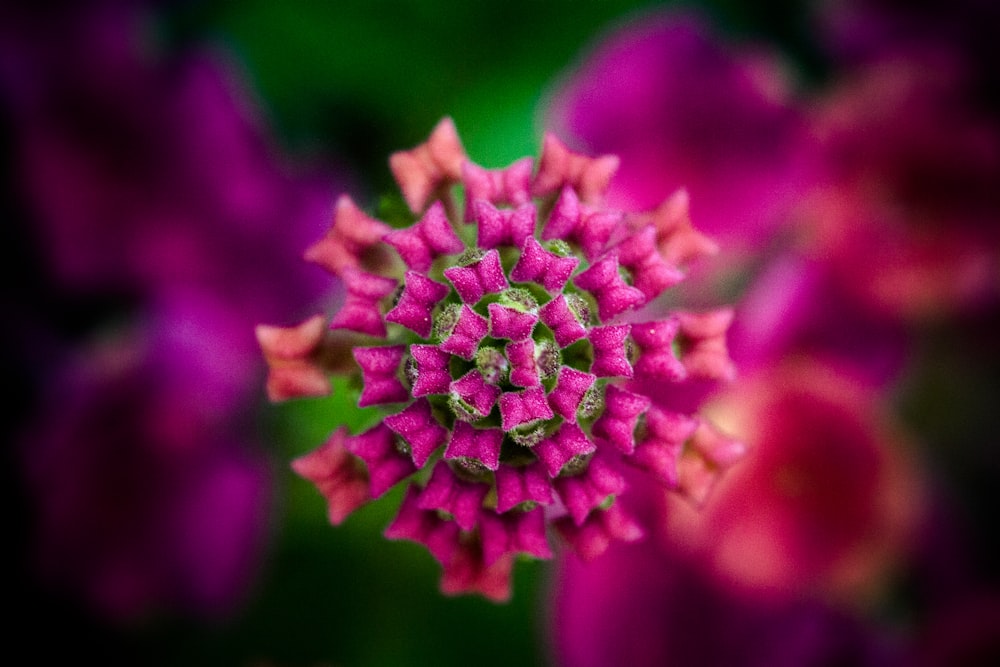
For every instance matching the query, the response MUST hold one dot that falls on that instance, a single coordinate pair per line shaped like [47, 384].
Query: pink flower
[682, 110]
[337, 475]
[647, 607]
[154, 192]
[430, 167]
[825, 502]
[140, 504]
[910, 223]
[791, 543]
[508, 375]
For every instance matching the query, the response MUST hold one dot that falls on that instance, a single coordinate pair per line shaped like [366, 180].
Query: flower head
[501, 350]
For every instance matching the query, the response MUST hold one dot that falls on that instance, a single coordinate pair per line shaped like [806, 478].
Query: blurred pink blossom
[149, 497]
[682, 109]
[907, 213]
[150, 187]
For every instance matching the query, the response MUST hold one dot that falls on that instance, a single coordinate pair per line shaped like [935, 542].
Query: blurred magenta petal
[639, 606]
[682, 109]
[424, 170]
[142, 506]
[817, 514]
[826, 500]
[151, 183]
[911, 222]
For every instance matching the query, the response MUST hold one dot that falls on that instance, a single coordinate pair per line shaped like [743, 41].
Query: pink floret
[464, 339]
[519, 408]
[474, 444]
[447, 492]
[380, 371]
[478, 279]
[386, 464]
[429, 238]
[567, 443]
[418, 427]
[415, 309]
[613, 295]
[536, 264]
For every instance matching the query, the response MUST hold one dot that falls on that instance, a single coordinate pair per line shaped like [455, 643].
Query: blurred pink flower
[646, 607]
[148, 185]
[146, 172]
[781, 564]
[826, 501]
[908, 213]
[891, 217]
[683, 110]
[798, 306]
[150, 496]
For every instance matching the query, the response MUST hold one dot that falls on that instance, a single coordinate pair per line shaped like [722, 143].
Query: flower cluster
[511, 334]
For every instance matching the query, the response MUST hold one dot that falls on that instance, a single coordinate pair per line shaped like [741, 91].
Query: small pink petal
[380, 368]
[589, 228]
[660, 449]
[467, 573]
[298, 358]
[497, 186]
[560, 166]
[477, 395]
[440, 536]
[351, 237]
[478, 279]
[417, 426]
[523, 368]
[605, 283]
[678, 241]
[610, 358]
[706, 455]
[558, 317]
[415, 308]
[432, 374]
[340, 477]
[386, 464]
[447, 492]
[522, 485]
[476, 445]
[361, 311]
[656, 351]
[426, 169]
[651, 274]
[510, 323]
[621, 414]
[599, 531]
[519, 408]
[584, 492]
[513, 532]
[702, 339]
[430, 237]
[571, 386]
[567, 443]
[503, 227]
[468, 332]
[538, 265]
